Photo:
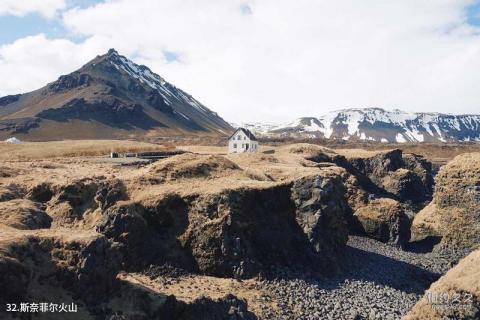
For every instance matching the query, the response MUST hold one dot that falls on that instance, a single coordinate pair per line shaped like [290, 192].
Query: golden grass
[72, 148]
[190, 165]
[382, 209]
[359, 153]
[205, 149]
[187, 289]
[461, 280]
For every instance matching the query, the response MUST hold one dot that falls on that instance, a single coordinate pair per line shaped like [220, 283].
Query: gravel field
[379, 281]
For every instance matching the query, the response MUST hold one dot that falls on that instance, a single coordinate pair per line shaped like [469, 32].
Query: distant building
[242, 140]
[13, 140]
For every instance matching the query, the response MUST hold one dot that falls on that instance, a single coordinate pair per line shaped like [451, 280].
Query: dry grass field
[73, 148]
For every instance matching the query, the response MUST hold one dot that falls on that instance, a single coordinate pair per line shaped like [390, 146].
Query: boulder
[321, 211]
[239, 233]
[385, 220]
[405, 185]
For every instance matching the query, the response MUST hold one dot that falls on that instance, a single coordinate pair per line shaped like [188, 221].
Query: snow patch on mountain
[153, 80]
[256, 127]
[376, 124]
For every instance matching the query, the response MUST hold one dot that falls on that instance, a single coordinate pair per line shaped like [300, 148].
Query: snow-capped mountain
[377, 124]
[259, 128]
[109, 97]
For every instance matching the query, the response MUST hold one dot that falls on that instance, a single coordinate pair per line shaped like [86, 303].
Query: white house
[242, 140]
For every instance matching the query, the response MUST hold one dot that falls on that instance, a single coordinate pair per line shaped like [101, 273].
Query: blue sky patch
[473, 14]
[170, 56]
[15, 27]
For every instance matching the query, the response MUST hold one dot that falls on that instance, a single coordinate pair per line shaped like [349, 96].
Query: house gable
[245, 132]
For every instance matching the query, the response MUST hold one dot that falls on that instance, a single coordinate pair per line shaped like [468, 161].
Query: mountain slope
[376, 124]
[108, 97]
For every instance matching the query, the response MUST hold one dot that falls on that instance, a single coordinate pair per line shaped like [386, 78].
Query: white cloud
[47, 8]
[283, 59]
[30, 63]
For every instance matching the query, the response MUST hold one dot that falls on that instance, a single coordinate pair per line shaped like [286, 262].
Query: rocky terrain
[454, 213]
[292, 232]
[109, 97]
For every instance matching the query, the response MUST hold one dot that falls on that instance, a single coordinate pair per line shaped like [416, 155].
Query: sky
[261, 60]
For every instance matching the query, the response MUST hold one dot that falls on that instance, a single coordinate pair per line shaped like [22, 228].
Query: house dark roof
[247, 132]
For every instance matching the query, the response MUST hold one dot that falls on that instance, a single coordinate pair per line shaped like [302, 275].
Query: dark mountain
[109, 97]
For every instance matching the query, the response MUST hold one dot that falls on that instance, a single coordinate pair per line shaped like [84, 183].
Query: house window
[239, 137]
[235, 145]
[244, 138]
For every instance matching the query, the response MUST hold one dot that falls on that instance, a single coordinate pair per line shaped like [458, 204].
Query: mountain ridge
[377, 124]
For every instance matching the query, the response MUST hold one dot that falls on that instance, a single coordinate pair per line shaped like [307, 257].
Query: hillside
[375, 124]
[109, 97]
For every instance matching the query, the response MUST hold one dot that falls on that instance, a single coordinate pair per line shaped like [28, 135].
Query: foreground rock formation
[385, 220]
[268, 231]
[204, 214]
[454, 214]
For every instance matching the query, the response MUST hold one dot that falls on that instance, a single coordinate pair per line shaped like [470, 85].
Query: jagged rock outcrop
[404, 177]
[85, 267]
[70, 81]
[24, 214]
[243, 232]
[236, 232]
[385, 220]
[321, 211]
[454, 211]
[9, 99]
